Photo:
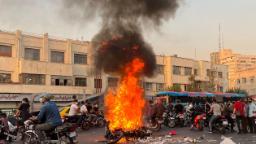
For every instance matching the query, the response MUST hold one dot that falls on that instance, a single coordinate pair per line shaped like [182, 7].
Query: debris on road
[226, 140]
[168, 140]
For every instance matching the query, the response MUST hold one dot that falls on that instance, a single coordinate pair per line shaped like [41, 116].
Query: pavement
[96, 136]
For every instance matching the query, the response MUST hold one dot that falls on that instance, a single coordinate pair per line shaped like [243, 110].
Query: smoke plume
[120, 40]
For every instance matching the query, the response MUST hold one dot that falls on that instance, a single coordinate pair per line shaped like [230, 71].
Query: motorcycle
[168, 119]
[176, 119]
[199, 122]
[221, 125]
[65, 133]
[155, 124]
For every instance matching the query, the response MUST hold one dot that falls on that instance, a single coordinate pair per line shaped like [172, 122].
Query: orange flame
[124, 109]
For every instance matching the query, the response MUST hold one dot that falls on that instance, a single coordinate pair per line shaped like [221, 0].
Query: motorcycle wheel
[30, 138]
[100, 122]
[171, 124]
[85, 126]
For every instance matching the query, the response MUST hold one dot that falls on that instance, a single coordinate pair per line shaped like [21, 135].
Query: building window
[32, 54]
[148, 86]
[97, 83]
[220, 75]
[112, 82]
[5, 50]
[159, 86]
[252, 79]
[80, 59]
[61, 80]
[238, 81]
[213, 73]
[160, 69]
[33, 79]
[195, 72]
[188, 71]
[208, 72]
[80, 82]
[5, 78]
[244, 80]
[176, 70]
[57, 57]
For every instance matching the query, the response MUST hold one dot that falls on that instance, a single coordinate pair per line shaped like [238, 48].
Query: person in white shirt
[252, 116]
[83, 108]
[74, 108]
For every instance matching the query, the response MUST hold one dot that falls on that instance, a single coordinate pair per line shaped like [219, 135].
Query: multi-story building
[246, 80]
[31, 64]
[181, 69]
[235, 62]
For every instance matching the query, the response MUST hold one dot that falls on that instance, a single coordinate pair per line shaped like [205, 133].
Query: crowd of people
[241, 113]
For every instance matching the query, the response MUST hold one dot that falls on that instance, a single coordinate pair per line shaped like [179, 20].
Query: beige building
[31, 64]
[235, 63]
[246, 80]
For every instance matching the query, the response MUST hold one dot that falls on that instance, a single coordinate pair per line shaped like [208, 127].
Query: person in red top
[239, 111]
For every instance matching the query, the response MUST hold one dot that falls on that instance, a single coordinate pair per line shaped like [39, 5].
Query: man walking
[239, 111]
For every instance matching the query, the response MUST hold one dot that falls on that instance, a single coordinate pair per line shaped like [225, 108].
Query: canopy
[171, 93]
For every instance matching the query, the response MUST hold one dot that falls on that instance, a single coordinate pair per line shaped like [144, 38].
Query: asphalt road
[96, 136]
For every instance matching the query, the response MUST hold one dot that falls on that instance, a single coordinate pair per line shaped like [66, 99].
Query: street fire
[124, 108]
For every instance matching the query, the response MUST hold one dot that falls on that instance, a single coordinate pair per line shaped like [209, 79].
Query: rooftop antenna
[220, 38]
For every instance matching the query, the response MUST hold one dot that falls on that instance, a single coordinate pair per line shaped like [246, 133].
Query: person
[95, 109]
[49, 116]
[227, 111]
[83, 109]
[216, 110]
[239, 111]
[252, 116]
[169, 107]
[74, 108]
[89, 107]
[178, 108]
[23, 110]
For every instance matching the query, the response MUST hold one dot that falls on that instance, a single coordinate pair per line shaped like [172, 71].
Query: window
[5, 50]
[252, 79]
[112, 82]
[97, 83]
[195, 72]
[148, 86]
[160, 69]
[80, 82]
[61, 80]
[57, 57]
[220, 75]
[80, 59]
[176, 70]
[188, 71]
[244, 80]
[33, 79]
[238, 81]
[208, 72]
[32, 54]
[159, 86]
[213, 73]
[5, 78]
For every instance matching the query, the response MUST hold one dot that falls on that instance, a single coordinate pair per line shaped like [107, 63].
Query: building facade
[235, 63]
[246, 80]
[32, 64]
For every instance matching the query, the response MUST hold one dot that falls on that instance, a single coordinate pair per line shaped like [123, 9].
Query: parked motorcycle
[220, 125]
[176, 120]
[65, 134]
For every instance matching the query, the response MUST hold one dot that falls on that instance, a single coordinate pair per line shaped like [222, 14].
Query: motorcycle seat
[63, 127]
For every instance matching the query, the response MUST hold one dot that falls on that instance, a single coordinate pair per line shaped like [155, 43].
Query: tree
[237, 90]
[194, 85]
[175, 87]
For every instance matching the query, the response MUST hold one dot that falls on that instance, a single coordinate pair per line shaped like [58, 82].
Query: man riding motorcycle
[48, 116]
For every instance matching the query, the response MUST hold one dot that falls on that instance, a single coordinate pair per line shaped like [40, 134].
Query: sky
[192, 33]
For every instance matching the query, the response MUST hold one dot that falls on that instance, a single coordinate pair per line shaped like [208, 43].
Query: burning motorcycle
[61, 134]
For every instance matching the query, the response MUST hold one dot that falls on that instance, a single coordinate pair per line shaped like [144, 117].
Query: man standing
[252, 116]
[216, 110]
[239, 111]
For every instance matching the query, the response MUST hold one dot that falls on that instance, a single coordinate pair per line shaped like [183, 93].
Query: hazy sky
[195, 25]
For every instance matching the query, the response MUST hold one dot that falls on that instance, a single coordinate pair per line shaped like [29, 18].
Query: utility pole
[220, 39]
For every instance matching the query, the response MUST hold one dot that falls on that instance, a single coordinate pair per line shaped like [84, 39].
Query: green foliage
[175, 87]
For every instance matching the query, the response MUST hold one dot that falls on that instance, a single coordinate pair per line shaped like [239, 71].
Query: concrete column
[68, 56]
[48, 80]
[17, 52]
[44, 52]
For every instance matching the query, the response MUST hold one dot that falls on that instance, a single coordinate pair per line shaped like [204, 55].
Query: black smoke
[120, 39]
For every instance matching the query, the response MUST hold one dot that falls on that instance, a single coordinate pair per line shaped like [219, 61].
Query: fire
[124, 107]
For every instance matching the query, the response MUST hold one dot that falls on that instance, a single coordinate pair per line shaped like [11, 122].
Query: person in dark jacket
[23, 110]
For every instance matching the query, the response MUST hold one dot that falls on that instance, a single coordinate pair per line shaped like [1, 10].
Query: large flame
[124, 107]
